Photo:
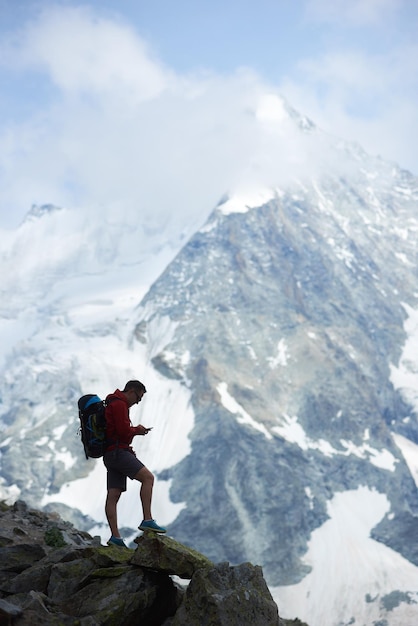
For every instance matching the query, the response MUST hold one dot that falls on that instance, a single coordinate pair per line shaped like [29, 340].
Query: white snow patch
[293, 432]
[310, 496]
[405, 191]
[404, 377]
[65, 457]
[242, 203]
[410, 454]
[271, 109]
[42, 441]
[281, 356]
[211, 224]
[185, 358]
[380, 458]
[9, 493]
[59, 431]
[15, 329]
[347, 561]
[234, 407]
[402, 257]
[160, 333]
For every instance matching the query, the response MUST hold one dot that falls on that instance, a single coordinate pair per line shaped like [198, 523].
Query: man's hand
[141, 430]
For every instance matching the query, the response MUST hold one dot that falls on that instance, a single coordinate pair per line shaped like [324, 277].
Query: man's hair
[136, 385]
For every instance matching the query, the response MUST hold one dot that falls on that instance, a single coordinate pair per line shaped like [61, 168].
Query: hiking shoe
[117, 541]
[151, 525]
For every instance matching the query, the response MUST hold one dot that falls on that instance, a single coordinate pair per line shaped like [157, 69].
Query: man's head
[134, 390]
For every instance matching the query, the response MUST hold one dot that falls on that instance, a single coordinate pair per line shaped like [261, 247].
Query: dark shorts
[120, 464]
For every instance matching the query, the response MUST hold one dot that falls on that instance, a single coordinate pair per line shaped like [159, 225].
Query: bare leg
[112, 499]
[147, 482]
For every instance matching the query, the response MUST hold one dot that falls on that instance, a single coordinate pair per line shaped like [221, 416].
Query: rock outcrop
[53, 574]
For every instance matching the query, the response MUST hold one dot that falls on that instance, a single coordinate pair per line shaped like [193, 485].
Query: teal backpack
[91, 411]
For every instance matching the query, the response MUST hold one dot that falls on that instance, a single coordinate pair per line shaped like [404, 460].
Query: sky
[132, 110]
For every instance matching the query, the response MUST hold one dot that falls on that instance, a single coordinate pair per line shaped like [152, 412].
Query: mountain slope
[288, 317]
[277, 350]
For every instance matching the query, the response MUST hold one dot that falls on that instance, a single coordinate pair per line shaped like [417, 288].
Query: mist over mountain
[276, 345]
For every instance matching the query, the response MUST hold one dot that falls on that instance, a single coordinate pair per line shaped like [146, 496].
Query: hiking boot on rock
[151, 524]
[117, 541]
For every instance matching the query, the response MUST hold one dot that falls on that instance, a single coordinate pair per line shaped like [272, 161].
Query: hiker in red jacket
[120, 459]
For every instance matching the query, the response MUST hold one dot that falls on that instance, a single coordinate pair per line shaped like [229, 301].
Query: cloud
[369, 99]
[84, 53]
[110, 129]
[121, 132]
[354, 12]
[117, 128]
[361, 81]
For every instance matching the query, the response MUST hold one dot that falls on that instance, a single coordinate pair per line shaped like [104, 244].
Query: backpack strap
[111, 399]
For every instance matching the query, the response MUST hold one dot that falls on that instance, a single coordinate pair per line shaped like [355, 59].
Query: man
[120, 459]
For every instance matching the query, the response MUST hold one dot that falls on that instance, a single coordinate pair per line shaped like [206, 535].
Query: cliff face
[286, 320]
[51, 573]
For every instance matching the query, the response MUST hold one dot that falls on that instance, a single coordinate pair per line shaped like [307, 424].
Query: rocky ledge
[52, 573]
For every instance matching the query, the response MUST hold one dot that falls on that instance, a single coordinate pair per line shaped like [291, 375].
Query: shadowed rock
[92, 585]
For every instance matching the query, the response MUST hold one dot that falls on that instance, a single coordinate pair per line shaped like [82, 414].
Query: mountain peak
[244, 201]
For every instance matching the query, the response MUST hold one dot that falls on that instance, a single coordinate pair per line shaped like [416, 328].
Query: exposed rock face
[214, 595]
[286, 319]
[46, 579]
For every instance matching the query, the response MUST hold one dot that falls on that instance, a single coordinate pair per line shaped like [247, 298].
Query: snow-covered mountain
[278, 349]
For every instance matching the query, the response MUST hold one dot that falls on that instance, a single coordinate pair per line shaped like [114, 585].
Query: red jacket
[119, 429]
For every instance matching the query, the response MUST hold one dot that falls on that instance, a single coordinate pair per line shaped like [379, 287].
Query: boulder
[8, 611]
[227, 596]
[19, 557]
[164, 554]
[124, 596]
